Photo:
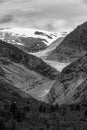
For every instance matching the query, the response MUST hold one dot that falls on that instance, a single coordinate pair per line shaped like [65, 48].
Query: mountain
[20, 74]
[71, 85]
[72, 47]
[25, 71]
[23, 76]
[29, 40]
[44, 53]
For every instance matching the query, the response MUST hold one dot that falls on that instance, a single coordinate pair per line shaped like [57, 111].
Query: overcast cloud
[52, 15]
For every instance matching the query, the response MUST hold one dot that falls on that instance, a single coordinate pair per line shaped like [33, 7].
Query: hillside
[26, 71]
[19, 112]
[72, 47]
[71, 85]
[23, 76]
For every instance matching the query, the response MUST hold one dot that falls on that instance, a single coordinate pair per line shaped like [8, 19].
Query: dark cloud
[85, 1]
[6, 19]
[1, 1]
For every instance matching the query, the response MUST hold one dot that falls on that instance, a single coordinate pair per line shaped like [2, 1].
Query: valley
[48, 83]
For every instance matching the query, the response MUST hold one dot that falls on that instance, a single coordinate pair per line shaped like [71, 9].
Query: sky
[50, 15]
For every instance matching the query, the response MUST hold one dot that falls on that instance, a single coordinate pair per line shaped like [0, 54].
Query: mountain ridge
[72, 47]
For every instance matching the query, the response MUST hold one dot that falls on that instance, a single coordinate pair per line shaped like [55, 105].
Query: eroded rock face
[71, 84]
[72, 47]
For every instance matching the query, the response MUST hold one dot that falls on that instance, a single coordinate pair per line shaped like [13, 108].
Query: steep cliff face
[72, 47]
[71, 84]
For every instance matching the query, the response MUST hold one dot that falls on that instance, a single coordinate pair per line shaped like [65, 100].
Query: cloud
[53, 15]
[6, 19]
[85, 1]
[1, 1]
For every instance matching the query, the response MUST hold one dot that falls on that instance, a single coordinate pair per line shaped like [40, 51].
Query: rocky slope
[71, 85]
[72, 47]
[19, 113]
[23, 70]
[9, 92]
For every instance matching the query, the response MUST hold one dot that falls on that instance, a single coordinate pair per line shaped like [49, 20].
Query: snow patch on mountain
[47, 37]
